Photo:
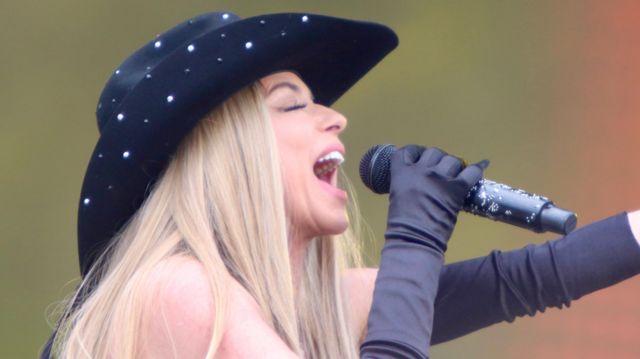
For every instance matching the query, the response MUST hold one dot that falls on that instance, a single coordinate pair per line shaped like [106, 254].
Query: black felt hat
[158, 94]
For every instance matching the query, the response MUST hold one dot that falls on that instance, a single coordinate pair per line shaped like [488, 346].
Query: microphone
[486, 198]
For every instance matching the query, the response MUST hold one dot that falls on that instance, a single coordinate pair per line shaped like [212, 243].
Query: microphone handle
[502, 203]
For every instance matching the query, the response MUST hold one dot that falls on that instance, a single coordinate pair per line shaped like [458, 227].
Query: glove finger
[410, 154]
[473, 174]
[483, 164]
[431, 156]
[449, 166]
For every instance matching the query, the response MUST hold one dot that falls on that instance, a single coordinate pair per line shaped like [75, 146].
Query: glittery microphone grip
[506, 204]
[487, 198]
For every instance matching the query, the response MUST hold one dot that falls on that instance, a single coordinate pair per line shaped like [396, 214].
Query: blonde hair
[220, 201]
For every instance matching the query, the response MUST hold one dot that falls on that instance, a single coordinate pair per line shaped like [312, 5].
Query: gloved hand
[427, 190]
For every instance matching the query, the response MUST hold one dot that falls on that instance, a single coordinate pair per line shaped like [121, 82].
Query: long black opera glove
[479, 292]
[427, 191]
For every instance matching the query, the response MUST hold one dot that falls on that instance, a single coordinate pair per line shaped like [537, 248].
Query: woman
[211, 223]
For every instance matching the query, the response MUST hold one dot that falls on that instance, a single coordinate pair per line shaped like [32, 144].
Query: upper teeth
[328, 163]
[332, 156]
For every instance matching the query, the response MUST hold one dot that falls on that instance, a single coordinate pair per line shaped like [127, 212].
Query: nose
[332, 120]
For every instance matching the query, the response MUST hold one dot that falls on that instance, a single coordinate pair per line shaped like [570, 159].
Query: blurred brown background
[548, 90]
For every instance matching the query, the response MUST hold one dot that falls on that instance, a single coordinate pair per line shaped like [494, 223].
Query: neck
[297, 248]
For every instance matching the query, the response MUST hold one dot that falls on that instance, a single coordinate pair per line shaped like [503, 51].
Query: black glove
[427, 190]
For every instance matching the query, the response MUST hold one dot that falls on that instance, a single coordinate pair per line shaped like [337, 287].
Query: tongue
[326, 177]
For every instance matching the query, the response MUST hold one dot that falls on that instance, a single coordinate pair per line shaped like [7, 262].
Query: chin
[334, 232]
[335, 227]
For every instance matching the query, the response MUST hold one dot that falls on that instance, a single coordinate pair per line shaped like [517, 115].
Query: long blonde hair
[220, 201]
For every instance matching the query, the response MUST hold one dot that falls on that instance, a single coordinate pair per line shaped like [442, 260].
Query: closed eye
[295, 107]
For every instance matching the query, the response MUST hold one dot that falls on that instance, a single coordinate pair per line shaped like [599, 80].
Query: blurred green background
[548, 91]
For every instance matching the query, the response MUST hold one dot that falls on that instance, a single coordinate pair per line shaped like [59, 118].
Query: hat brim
[137, 141]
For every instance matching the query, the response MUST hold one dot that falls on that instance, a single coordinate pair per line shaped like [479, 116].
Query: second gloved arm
[502, 286]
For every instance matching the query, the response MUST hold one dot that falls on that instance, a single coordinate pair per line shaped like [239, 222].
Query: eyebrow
[286, 84]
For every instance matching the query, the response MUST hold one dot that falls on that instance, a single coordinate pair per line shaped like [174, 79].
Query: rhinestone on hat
[157, 44]
[305, 18]
[126, 154]
[225, 16]
[190, 48]
[86, 201]
[120, 116]
[170, 99]
[219, 60]
[248, 45]
[117, 71]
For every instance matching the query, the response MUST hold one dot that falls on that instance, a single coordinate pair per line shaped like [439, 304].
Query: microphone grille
[375, 168]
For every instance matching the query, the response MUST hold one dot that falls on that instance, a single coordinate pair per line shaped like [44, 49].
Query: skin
[305, 131]
[179, 288]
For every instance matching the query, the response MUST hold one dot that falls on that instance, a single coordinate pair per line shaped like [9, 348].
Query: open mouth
[326, 166]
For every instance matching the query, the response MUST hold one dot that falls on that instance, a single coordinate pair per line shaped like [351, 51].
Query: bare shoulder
[360, 278]
[178, 310]
[181, 311]
[358, 285]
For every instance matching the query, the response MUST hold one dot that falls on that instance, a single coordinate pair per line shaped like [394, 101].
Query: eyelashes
[295, 107]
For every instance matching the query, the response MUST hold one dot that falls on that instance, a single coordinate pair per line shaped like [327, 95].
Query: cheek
[292, 170]
[287, 142]
[288, 175]
[290, 161]
[293, 148]
[293, 143]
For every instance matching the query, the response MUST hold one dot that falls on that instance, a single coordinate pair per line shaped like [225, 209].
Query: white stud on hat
[181, 75]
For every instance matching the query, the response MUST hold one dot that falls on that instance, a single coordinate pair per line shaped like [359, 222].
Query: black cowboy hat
[158, 94]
